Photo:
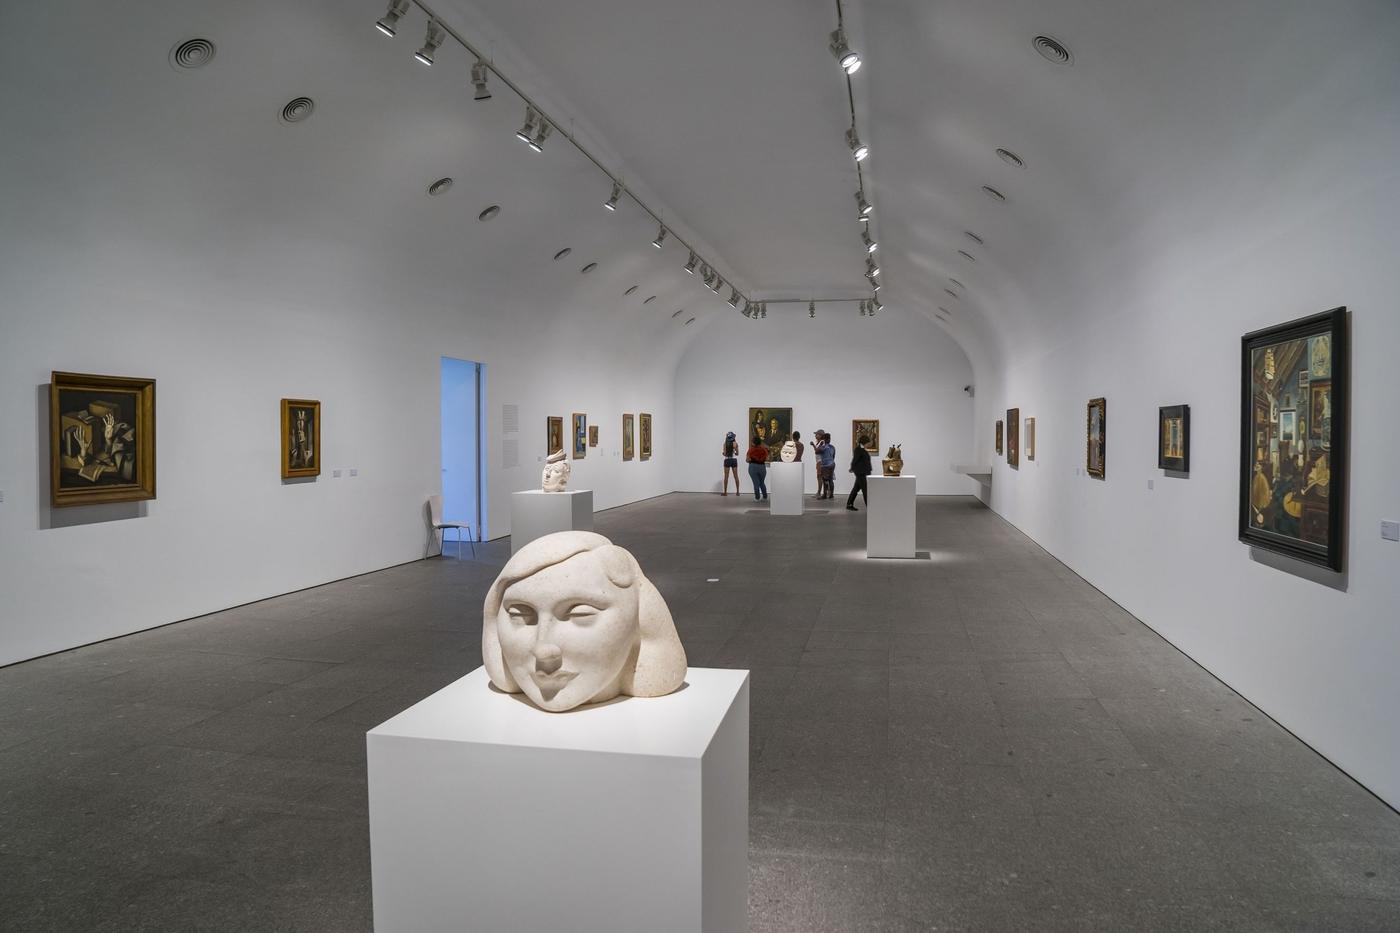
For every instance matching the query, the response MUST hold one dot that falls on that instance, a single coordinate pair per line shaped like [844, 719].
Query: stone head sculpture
[556, 472]
[572, 619]
[788, 453]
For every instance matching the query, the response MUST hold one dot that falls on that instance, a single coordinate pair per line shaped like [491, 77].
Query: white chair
[435, 510]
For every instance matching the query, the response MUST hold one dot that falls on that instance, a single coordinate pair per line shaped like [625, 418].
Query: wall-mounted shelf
[983, 474]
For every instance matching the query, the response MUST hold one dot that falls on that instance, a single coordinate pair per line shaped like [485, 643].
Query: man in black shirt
[860, 466]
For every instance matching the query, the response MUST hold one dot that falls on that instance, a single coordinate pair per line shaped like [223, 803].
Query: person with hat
[731, 463]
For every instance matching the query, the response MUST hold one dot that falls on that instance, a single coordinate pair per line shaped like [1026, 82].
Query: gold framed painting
[869, 428]
[580, 435]
[645, 430]
[554, 434]
[772, 427]
[1030, 438]
[102, 439]
[1096, 438]
[301, 438]
[627, 437]
[1174, 438]
[592, 435]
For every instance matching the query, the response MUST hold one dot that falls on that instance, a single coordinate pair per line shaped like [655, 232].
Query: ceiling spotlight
[716, 283]
[876, 304]
[850, 61]
[956, 282]
[871, 266]
[660, 238]
[527, 132]
[865, 206]
[748, 308]
[431, 42]
[690, 266]
[863, 305]
[389, 22]
[858, 150]
[537, 143]
[733, 297]
[479, 72]
[811, 309]
[870, 244]
[874, 282]
[611, 202]
[966, 255]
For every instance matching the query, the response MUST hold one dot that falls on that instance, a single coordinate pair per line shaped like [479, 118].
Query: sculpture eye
[521, 615]
[582, 613]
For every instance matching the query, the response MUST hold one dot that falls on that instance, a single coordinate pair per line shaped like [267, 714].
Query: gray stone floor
[973, 741]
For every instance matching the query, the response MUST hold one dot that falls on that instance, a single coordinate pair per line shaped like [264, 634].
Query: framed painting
[1013, 438]
[580, 436]
[592, 435]
[772, 426]
[645, 431]
[102, 439]
[1096, 438]
[998, 437]
[627, 452]
[869, 428]
[301, 438]
[1174, 438]
[554, 434]
[1293, 463]
[1030, 438]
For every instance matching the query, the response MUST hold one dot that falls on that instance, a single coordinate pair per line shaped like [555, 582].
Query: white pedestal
[785, 488]
[488, 814]
[535, 513]
[889, 519]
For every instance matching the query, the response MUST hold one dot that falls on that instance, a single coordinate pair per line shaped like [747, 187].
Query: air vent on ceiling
[943, 309]
[966, 255]
[489, 213]
[562, 253]
[298, 109]
[993, 193]
[441, 186]
[956, 282]
[649, 300]
[1053, 50]
[689, 322]
[631, 290]
[974, 238]
[1011, 158]
[678, 312]
[193, 53]
[949, 291]
[589, 268]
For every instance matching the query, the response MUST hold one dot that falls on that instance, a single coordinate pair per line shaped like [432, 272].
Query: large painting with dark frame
[1013, 438]
[772, 427]
[553, 434]
[102, 439]
[1096, 438]
[1174, 438]
[1293, 438]
[301, 438]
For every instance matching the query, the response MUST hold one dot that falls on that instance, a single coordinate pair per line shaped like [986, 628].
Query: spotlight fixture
[389, 22]
[850, 61]
[690, 266]
[871, 266]
[660, 238]
[870, 244]
[545, 129]
[862, 308]
[864, 205]
[763, 310]
[874, 283]
[858, 149]
[812, 309]
[748, 308]
[876, 304]
[733, 297]
[431, 42]
[611, 202]
[716, 283]
[527, 132]
[479, 73]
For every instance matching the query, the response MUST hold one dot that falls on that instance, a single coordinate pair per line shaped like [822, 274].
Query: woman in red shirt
[758, 468]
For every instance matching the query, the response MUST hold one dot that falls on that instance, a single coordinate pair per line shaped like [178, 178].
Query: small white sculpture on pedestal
[789, 452]
[572, 620]
[556, 472]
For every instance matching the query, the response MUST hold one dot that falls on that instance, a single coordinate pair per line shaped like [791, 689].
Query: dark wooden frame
[145, 429]
[1334, 324]
[1180, 464]
[874, 445]
[1013, 438]
[592, 435]
[644, 438]
[288, 471]
[999, 430]
[1102, 406]
[553, 423]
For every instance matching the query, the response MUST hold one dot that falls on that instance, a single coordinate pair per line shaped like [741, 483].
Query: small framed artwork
[301, 438]
[627, 437]
[580, 436]
[1096, 438]
[102, 439]
[1293, 469]
[868, 428]
[592, 435]
[1174, 438]
[554, 434]
[1030, 438]
[645, 430]
[998, 437]
[1013, 438]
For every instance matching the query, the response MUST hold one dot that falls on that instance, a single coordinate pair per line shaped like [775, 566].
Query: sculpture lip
[553, 682]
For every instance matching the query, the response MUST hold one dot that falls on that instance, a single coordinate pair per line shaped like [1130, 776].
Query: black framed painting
[1013, 438]
[998, 437]
[1293, 438]
[1174, 438]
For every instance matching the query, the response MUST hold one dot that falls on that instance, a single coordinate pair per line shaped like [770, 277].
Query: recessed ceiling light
[489, 213]
[562, 253]
[956, 282]
[993, 193]
[1053, 50]
[949, 291]
[631, 290]
[298, 109]
[974, 238]
[1011, 158]
[440, 186]
[966, 255]
[589, 268]
[649, 300]
[193, 53]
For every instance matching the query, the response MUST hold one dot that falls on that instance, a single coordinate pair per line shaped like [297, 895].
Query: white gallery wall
[897, 367]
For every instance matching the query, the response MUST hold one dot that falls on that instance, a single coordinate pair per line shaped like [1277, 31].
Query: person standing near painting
[758, 468]
[860, 466]
[826, 466]
[730, 450]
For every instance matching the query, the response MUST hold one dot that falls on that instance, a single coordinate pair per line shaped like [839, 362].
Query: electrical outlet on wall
[354, 472]
[1390, 531]
[1149, 484]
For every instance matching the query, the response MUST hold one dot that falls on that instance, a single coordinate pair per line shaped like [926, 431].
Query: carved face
[567, 633]
[556, 476]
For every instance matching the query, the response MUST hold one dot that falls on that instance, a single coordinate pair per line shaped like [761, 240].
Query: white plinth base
[785, 487]
[889, 519]
[535, 513]
[488, 814]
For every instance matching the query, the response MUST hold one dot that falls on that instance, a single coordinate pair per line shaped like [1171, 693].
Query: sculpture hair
[658, 666]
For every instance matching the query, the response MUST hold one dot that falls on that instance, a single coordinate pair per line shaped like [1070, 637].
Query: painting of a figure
[627, 451]
[101, 439]
[1096, 438]
[645, 429]
[301, 438]
[580, 435]
[554, 434]
[998, 437]
[772, 426]
[1174, 438]
[592, 435]
[868, 428]
[1293, 438]
[1013, 438]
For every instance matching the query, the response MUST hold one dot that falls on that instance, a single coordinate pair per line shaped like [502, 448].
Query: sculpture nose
[548, 658]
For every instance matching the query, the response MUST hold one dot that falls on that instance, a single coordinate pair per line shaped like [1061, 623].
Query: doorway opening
[464, 443]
